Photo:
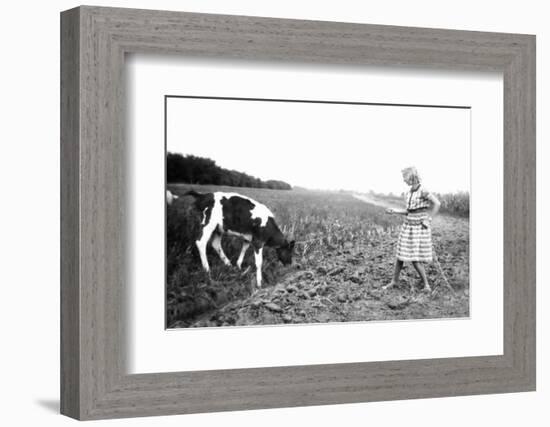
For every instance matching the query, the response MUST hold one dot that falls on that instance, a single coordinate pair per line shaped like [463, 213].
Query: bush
[455, 203]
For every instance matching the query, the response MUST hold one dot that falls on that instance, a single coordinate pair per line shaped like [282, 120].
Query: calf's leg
[258, 261]
[243, 252]
[217, 245]
[201, 246]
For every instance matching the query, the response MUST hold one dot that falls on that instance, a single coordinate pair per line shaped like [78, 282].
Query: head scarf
[413, 173]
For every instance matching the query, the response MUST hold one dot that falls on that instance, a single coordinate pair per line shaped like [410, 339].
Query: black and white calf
[238, 215]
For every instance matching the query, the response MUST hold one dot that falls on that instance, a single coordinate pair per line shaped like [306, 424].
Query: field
[344, 254]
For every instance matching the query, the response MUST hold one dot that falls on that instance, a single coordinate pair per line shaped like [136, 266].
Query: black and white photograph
[293, 211]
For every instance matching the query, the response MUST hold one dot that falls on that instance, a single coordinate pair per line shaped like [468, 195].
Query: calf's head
[284, 252]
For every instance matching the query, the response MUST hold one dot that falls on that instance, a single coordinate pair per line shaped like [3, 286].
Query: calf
[237, 215]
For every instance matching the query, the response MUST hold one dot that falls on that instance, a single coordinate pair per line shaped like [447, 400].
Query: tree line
[201, 170]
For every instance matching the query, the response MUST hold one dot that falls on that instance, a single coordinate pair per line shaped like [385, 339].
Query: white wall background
[29, 214]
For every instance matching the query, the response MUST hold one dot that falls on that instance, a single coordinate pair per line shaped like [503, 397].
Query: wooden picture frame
[94, 41]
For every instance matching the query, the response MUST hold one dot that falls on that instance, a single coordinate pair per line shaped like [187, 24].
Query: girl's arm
[435, 203]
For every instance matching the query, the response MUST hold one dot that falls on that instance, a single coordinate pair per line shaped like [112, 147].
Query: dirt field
[344, 255]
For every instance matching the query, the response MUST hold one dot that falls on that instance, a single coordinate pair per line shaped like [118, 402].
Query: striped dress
[415, 239]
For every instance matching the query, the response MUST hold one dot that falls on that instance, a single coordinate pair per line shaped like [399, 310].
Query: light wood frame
[94, 41]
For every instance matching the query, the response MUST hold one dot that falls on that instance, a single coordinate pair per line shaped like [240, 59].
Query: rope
[440, 269]
[436, 260]
[308, 241]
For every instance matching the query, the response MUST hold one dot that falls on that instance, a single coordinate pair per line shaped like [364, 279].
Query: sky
[326, 146]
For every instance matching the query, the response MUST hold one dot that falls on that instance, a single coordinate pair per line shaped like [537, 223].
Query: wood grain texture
[70, 221]
[94, 271]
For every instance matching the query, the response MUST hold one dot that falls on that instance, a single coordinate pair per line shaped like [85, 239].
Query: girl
[415, 239]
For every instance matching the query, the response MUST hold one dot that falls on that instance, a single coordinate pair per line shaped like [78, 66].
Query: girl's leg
[419, 267]
[396, 272]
